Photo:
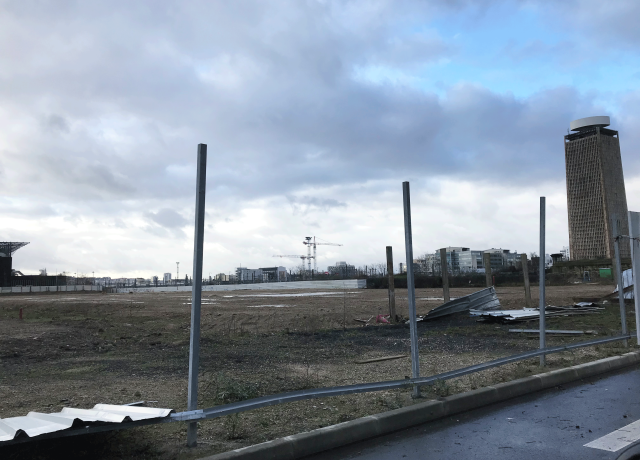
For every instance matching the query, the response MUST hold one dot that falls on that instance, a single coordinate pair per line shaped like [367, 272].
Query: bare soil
[81, 349]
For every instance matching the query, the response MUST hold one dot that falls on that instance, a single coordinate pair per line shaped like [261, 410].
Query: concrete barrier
[331, 437]
[34, 289]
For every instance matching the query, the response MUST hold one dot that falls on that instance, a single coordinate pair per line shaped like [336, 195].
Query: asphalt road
[552, 424]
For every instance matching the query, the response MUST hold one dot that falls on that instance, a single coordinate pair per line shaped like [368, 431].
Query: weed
[233, 425]
[441, 388]
[220, 389]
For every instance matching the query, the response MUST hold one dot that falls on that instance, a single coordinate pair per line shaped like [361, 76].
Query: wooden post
[527, 287]
[486, 257]
[392, 287]
[445, 274]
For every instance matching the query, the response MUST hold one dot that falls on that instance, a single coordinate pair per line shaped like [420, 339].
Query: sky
[313, 111]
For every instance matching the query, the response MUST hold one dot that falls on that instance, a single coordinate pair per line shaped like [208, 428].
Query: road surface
[555, 423]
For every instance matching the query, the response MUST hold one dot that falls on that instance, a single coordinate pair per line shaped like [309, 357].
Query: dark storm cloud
[129, 89]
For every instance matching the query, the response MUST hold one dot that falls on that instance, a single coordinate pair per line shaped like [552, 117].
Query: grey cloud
[270, 88]
[57, 123]
[167, 218]
[306, 204]
[609, 26]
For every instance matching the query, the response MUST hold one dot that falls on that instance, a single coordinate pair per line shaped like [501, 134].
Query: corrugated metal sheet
[483, 300]
[36, 423]
[627, 284]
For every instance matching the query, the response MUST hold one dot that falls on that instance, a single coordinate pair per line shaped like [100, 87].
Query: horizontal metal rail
[300, 395]
[271, 400]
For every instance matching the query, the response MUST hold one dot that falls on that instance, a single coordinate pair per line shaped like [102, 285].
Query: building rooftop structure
[584, 124]
[7, 248]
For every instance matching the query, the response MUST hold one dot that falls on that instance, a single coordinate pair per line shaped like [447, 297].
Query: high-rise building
[595, 189]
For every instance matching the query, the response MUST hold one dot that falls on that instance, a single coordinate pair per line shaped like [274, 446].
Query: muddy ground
[82, 349]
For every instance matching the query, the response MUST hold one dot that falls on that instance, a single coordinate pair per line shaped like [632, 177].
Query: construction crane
[309, 243]
[295, 257]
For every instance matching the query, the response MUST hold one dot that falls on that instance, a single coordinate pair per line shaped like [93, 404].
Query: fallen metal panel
[627, 284]
[483, 300]
[36, 423]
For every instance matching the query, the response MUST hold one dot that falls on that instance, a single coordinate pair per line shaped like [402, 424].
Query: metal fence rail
[271, 400]
[300, 395]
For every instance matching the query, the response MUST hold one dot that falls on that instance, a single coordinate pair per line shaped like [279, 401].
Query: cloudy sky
[314, 113]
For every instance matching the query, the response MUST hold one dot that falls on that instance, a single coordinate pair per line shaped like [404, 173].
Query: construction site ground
[81, 349]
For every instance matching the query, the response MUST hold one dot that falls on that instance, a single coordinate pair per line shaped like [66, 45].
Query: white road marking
[618, 439]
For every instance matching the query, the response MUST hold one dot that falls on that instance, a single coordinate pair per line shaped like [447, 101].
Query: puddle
[274, 306]
[302, 294]
[435, 298]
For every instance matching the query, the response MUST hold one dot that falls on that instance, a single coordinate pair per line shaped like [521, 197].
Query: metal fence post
[411, 289]
[196, 293]
[634, 234]
[527, 286]
[392, 287]
[445, 275]
[616, 248]
[542, 302]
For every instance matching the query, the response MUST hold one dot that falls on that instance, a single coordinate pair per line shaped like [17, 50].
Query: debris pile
[526, 314]
[483, 300]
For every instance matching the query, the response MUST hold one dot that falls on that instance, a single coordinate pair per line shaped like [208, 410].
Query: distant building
[272, 274]
[402, 268]
[464, 260]
[167, 278]
[260, 275]
[565, 253]
[595, 189]
[249, 275]
[343, 270]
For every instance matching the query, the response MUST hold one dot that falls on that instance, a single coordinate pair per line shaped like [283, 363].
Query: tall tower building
[595, 189]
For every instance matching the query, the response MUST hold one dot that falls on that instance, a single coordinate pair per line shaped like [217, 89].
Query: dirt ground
[80, 349]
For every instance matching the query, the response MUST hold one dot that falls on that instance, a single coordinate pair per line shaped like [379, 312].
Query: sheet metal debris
[627, 284]
[506, 316]
[483, 300]
[36, 423]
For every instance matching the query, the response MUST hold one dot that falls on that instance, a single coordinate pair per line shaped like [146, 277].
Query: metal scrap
[627, 284]
[36, 423]
[550, 331]
[383, 358]
[483, 300]
[505, 316]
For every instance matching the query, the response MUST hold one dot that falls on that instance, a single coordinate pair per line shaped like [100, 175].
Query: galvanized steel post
[445, 275]
[634, 234]
[527, 286]
[411, 288]
[616, 248]
[542, 302]
[392, 286]
[196, 293]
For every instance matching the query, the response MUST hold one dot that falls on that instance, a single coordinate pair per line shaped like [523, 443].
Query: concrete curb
[312, 442]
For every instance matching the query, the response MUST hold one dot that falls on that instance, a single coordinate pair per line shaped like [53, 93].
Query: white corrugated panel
[627, 281]
[36, 423]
